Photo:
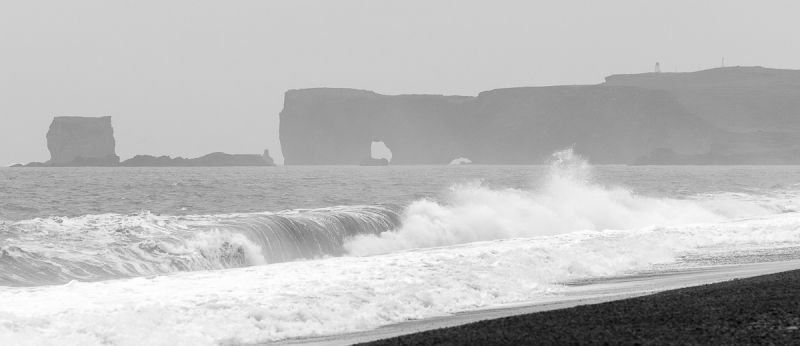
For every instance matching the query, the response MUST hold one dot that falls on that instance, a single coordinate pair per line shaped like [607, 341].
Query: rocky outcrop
[210, 160]
[743, 114]
[268, 159]
[153, 161]
[505, 126]
[71, 137]
[223, 159]
[89, 142]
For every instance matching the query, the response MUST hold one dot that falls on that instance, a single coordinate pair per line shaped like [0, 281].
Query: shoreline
[596, 292]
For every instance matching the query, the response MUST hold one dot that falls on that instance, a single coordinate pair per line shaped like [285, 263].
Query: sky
[186, 78]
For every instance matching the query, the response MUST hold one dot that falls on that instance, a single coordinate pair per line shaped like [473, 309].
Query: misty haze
[399, 173]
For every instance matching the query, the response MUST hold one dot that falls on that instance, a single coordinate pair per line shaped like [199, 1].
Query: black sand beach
[758, 310]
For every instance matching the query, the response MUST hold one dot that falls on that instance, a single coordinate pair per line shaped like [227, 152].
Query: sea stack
[89, 138]
[267, 158]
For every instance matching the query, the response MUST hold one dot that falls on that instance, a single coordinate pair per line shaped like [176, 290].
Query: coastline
[591, 293]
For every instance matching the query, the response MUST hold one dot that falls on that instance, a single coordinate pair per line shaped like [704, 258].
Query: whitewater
[244, 256]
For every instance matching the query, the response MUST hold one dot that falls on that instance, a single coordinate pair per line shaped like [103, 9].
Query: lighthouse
[658, 68]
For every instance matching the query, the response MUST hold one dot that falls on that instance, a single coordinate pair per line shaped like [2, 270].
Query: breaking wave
[245, 306]
[568, 228]
[567, 200]
[96, 247]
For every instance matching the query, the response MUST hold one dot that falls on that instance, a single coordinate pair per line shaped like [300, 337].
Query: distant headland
[731, 115]
[721, 116]
[89, 142]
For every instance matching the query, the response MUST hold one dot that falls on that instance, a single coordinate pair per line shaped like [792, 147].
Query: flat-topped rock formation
[337, 126]
[747, 115]
[757, 109]
[736, 99]
[71, 137]
[505, 126]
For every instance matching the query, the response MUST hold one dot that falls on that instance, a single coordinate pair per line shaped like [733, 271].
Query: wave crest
[96, 247]
[567, 200]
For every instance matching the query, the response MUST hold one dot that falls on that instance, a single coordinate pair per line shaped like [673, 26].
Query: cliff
[337, 126]
[71, 137]
[505, 126]
[745, 115]
[735, 99]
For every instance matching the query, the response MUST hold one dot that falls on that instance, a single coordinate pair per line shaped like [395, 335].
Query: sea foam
[106, 246]
[349, 294]
[566, 200]
[478, 247]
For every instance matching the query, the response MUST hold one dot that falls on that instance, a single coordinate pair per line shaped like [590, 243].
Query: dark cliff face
[505, 126]
[89, 138]
[606, 124]
[338, 126]
[742, 114]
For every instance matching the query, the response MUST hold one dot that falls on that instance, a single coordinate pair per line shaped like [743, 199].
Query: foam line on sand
[575, 295]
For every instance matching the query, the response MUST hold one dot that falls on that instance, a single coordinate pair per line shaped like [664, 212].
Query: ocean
[242, 255]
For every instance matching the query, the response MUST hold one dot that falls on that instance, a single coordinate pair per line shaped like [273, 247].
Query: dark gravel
[761, 310]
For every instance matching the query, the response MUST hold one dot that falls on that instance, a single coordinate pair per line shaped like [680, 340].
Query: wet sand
[584, 293]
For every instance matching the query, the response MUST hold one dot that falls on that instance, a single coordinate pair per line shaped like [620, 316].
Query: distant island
[732, 115]
[89, 142]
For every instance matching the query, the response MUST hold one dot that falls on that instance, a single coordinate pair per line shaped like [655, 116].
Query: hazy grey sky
[186, 78]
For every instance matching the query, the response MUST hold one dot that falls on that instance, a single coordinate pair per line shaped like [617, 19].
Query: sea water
[238, 255]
